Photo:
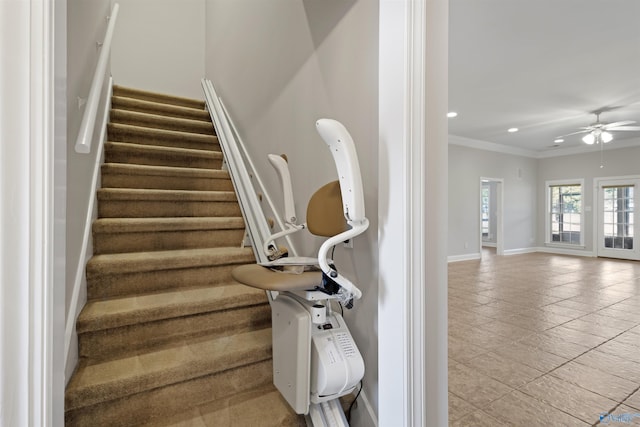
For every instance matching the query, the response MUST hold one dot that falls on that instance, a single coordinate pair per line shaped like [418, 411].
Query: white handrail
[87, 127]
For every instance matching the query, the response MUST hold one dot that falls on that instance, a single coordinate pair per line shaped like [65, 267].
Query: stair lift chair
[315, 360]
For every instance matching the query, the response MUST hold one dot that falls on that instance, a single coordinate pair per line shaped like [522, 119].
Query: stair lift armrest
[356, 229]
[280, 165]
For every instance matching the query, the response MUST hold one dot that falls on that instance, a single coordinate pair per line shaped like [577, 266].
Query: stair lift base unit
[312, 362]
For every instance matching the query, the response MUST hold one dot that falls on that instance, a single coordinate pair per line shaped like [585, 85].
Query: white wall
[86, 24]
[466, 166]
[281, 65]
[616, 162]
[158, 46]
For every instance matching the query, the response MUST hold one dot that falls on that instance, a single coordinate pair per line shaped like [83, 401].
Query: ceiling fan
[601, 132]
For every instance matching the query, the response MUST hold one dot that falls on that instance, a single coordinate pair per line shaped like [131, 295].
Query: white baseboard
[489, 244]
[565, 251]
[521, 251]
[366, 415]
[463, 257]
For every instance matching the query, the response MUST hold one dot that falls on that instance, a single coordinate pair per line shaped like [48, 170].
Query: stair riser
[157, 97]
[165, 208]
[124, 341]
[110, 243]
[159, 122]
[123, 155]
[114, 180]
[142, 137]
[167, 110]
[114, 285]
[143, 407]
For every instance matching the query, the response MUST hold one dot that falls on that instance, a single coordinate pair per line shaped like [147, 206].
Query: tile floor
[544, 340]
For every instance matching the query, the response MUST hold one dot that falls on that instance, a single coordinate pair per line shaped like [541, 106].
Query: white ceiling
[542, 66]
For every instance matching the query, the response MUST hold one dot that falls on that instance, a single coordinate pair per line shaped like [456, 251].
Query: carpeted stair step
[132, 104]
[144, 203]
[116, 275]
[167, 370]
[122, 132]
[117, 327]
[263, 407]
[157, 97]
[157, 405]
[155, 121]
[123, 175]
[122, 235]
[123, 152]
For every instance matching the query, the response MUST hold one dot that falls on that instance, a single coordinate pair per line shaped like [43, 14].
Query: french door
[617, 199]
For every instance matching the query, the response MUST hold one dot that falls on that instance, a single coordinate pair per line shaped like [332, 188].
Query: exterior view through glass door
[616, 219]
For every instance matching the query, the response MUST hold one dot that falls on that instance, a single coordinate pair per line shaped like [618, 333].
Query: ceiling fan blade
[618, 124]
[629, 128]
[574, 133]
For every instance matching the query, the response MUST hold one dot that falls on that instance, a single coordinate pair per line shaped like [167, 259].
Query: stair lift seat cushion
[324, 218]
[269, 279]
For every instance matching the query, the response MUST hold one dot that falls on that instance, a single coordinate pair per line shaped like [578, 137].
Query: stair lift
[315, 360]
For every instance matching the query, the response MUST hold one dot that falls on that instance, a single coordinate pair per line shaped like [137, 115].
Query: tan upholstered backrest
[324, 211]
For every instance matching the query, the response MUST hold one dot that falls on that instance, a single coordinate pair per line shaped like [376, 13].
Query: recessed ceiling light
[452, 114]
[558, 141]
[512, 130]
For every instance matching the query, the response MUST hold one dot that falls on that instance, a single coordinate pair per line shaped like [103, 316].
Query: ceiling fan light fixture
[606, 137]
[589, 139]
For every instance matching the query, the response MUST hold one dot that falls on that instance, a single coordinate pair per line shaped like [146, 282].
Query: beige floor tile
[507, 330]
[563, 311]
[629, 352]
[477, 419]
[592, 328]
[575, 336]
[518, 409]
[528, 320]
[533, 357]
[458, 407]
[479, 337]
[634, 401]
[474, 387]
[610, 322]
[595, 380]
[620, 314]
[461, 351]
[570, 398]
[557, 346]
[629, 338]
[612, 364]
[507, 371]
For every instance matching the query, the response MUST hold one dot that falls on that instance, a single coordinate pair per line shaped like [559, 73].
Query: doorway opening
[491, 215]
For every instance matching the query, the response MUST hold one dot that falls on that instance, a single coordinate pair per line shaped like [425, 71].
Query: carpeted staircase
[167, 338]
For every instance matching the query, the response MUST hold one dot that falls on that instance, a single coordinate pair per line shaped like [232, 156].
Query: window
[618, 217]
[564, 220]
[486, 194]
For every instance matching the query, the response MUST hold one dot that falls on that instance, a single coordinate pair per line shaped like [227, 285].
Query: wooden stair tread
[160, 122]
[117, 312]
[262, 407]
[155, 194]
[113, 379]
[164, 171]
[133, 104]
[137, 225]
[157, 97]
[166, 260]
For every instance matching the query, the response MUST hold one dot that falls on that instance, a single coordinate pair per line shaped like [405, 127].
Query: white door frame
[412, 213]
[499, 214]
[598, 250]
[27, 390]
